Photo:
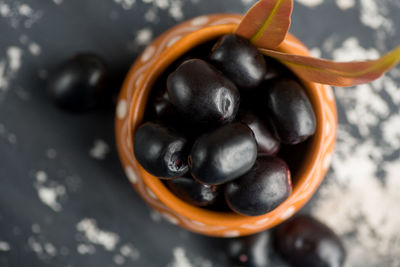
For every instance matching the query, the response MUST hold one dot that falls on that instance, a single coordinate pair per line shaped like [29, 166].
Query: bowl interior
[309, 151]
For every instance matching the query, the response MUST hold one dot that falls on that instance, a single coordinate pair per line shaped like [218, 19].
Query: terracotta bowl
[129, 115]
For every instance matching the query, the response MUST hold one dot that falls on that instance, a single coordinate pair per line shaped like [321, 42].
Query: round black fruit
[239, 60]
[78, 83]
[161, 151]
[193, 192]
[203, 94]
[250, 251]
[291, 112]
[304, 241]
[260, 190]
[223, 155]
[267, 143]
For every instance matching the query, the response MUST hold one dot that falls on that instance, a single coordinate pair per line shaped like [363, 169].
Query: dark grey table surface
[64, 199]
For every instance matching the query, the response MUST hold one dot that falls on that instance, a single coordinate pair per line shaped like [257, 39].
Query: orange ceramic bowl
[129, 115]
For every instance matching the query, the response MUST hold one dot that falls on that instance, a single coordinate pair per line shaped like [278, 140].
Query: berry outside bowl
[130, 111]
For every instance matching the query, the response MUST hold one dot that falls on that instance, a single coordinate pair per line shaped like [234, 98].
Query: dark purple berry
[202, 94]
[291, 112]
[193, 192]
[239, 60]
[163, 108]
[77, 84]
[304, 241]
[260, 190]
[161, 151]
[250, 251]
[223, 154]
[267, 143]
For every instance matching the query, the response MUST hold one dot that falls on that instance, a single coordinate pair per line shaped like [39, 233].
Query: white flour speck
[248, 2]
[180, 259]
[345, 4]
[34, 48]
[4, 246]
[4, 9]
[3, 78]
[50, 249]
[373, 14]
[310, 3]
[25, 10]
[97, 236]
[58, 2]
[14, 58]
[12, 138]
[391, 131]
[129, 251]
[51, 153]
[99, 150]
[85, 249]
[35, 228]
[143, 36]
[126, 4]
[315, 52]
[49, 193]
[351, 50]
[118, 259]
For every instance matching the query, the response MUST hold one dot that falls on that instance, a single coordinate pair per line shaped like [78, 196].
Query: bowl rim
[230, 219]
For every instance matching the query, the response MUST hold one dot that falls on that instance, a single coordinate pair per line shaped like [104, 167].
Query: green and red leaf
[336, 73]
[266, 23]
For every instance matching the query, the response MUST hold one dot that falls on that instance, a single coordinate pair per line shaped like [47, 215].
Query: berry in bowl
[217, 134]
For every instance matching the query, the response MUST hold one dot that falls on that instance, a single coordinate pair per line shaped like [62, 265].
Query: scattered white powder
[99, 150]
[35, 228]
[345, 4]
[143, 36]
[85, 249]
[4, 9]
[118, 259]
[51, 153]
[155, 216]
[130, 251]
[316, 52]
[180, 259]
[58, 2]
[17, 13]
[48, 191]
[173, 7]
[25, 10]
[4, 246]
[3, 78]
[34, 48]
[310, 3]
[391, 131]
[126, 4]
[351, 50]
[355, 202]
[374, 15]
[248, 2]
[9, 67]
[14, 58]
[97, 236]
[42, 248]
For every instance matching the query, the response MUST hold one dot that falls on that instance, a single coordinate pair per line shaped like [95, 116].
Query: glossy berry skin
[291, 112]
[250, 251]
[160, 151]
[267, 143]
[78, 83]
[260, 190]
[239, 60]
[193, 192]
[203, 94]
[304, 241]
[163, 108]
[223, 154]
